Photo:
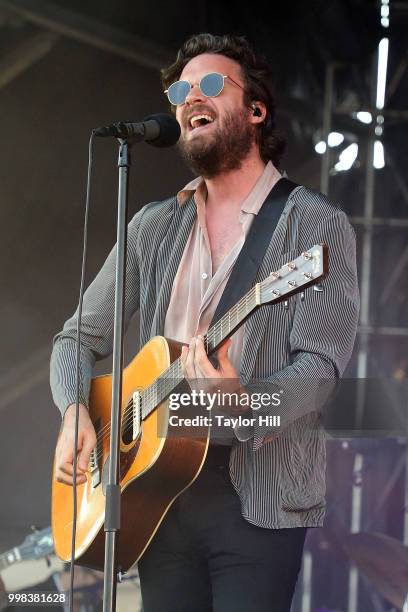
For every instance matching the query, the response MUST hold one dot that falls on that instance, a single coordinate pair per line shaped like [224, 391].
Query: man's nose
[195, 95]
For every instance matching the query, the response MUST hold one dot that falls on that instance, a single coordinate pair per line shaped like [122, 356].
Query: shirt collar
[197, 184]
[254, 199]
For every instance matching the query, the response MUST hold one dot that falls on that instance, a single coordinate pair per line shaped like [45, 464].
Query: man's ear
[258, 112]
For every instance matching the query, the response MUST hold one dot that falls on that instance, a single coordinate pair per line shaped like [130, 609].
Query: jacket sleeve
[322, 336]
[96, 326]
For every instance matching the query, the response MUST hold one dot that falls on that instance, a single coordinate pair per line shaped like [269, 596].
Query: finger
[88, 444]
[199, 374]
[65, 449]
[68, 469]
[68, 480]
[183, 358]
[63, 479]
[65, 473]
[65, 455]
[80, 479]
[190, 365]
[203, 365]
[222, 353]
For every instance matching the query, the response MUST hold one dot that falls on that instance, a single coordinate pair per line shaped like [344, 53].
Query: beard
[222, 151]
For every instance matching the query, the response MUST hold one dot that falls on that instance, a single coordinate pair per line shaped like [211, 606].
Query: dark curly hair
[257, 78]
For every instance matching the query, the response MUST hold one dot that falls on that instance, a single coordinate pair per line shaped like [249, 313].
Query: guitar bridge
[93, 460]
[94, 468]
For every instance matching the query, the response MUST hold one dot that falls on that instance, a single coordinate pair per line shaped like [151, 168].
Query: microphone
[159, 130]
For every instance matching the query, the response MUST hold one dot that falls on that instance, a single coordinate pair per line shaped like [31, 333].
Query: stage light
[382, 72]
[364, 116]
[379, 161]
[320, 147]
[385, 13]
[335, 139]
[347, 158]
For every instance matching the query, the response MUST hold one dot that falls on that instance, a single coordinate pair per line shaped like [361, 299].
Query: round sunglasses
[211, 85]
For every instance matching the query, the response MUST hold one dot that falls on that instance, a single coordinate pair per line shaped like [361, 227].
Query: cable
[78, 355]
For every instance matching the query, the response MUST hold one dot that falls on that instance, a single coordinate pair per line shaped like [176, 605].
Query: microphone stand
[113, 500]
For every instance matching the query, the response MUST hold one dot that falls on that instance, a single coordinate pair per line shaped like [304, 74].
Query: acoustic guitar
[156, 464]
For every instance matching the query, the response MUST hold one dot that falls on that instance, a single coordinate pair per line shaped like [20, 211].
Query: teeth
[195, 121]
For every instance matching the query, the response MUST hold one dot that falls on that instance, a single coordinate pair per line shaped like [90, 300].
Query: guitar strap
[250, 257]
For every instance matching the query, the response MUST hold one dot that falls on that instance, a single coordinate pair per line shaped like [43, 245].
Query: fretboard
[161, 388]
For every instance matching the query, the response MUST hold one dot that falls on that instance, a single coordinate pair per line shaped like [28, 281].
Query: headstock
[296, 275]
[35, 546]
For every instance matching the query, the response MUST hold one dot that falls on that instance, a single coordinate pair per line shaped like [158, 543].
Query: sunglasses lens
[212, 84]
[178, 92]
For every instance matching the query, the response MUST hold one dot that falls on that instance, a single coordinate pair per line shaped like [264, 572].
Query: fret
[290, 279]
[160, 389]
[232, 319]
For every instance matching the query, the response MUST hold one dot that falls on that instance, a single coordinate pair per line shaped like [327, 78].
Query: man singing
[233, 541]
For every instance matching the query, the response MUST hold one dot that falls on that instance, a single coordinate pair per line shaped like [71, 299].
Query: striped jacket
[297, 346]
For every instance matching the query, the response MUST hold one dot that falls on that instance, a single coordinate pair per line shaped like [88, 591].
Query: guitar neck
[36, 545]
[291, 278]
[231, 321]
[215, 336]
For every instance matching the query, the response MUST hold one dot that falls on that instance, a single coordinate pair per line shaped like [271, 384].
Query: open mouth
[199, 121]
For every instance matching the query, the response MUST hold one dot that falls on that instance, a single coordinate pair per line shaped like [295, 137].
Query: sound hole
[127, 429]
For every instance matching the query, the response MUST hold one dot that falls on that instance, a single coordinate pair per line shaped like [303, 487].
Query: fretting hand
[202, 375]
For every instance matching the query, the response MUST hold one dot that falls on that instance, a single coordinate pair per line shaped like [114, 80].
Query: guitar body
[154, 469]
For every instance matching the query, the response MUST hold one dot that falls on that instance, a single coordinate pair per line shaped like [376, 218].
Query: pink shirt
[196, 290]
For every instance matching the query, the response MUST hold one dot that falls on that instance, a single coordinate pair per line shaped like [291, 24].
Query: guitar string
[128, 417]
[215, 329]
[151, 396]
[150, 392]
[209, 338]
[148, 395]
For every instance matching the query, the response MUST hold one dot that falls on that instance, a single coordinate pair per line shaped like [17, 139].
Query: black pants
[205, 557]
